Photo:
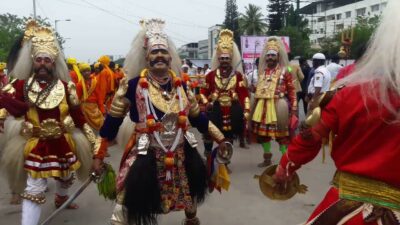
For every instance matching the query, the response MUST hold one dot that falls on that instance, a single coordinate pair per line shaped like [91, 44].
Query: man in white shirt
[334, 67]
[320, 82]
[206, 69]
[192, 68]
[252, 77]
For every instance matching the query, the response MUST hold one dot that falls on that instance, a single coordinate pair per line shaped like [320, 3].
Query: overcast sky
[100, 27]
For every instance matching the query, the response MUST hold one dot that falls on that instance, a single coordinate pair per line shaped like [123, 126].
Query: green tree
[296, 29]
[293, 18]
[299, 41]
[363, 32]
[276, 17]
[11, 27]
[252, 21]
[329, 46]
[232, 19]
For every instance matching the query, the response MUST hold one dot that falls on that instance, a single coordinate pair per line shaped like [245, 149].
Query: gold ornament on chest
[227, 83]
[165, 101]
[267, 85]
[55, 96]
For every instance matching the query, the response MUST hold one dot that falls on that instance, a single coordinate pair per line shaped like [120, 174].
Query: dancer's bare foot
[59, 200]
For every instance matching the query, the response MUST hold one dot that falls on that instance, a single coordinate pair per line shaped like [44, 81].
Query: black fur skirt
[147, 193]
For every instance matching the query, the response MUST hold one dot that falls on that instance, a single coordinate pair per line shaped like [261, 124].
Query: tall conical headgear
[39, 40]
[227, 45]
[43, 42]
[152, 36]
[155, 35]
[275, 46]
[272, 46]
[30, 27]
[225, 42]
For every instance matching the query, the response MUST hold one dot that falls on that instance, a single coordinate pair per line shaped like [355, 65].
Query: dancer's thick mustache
[42, 67]
[157, 60]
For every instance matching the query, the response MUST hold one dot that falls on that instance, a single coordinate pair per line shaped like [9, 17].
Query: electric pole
[34, 9]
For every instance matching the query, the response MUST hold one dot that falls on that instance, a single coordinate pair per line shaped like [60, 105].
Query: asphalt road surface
[243, 204]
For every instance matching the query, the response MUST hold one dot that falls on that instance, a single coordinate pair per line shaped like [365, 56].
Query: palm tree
[252, 22]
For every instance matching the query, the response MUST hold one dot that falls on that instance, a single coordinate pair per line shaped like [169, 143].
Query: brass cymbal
[269, 189]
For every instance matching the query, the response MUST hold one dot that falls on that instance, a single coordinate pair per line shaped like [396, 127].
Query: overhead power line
[183, 22]
[129, 21]
[181, 38]
[109, 12]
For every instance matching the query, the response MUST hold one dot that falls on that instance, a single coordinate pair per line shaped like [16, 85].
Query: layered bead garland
[153, 124]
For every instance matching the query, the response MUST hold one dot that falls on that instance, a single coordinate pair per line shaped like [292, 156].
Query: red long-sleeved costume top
[17, 107]
[240, 87]
[366, 143]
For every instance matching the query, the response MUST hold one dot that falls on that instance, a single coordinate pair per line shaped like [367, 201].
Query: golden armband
[120, 104]
[89, 134]
[215, 133]
[3, 114]
[247, 108]
[194, 106]
[100, 148]
[203, 99]
[72, 95]
[214, 96]
[119, 107]
[313, 118]
[9, 88]
[247, 104]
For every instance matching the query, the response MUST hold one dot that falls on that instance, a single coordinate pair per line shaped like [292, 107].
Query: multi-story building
[189, 51]
[203, 49]
[329, 17]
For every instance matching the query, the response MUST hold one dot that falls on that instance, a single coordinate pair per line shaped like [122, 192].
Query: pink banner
[252, 47]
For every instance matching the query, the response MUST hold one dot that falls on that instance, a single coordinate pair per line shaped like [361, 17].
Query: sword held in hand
[93, 177]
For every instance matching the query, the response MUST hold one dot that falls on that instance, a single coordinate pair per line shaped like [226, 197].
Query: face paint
[159, 59]
[43, 66]
[225, 60]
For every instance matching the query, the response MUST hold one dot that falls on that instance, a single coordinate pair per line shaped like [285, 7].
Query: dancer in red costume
[45, 142]
[364, 120]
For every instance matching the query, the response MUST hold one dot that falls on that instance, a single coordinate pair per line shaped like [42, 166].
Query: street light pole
[34, 9]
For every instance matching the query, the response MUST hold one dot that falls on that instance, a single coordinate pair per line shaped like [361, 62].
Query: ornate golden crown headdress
[44, 42]
[272, 45]
[225, 42]
[30, 27]
[155, 35]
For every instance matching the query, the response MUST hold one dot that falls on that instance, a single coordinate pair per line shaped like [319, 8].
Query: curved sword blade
[69, 201]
